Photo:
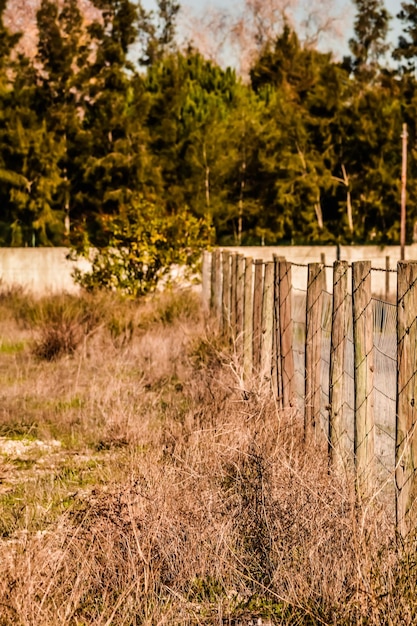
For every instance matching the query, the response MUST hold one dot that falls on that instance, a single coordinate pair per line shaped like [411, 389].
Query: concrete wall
[302, 255]
[38, 270]
[311, 254]
[47, 270]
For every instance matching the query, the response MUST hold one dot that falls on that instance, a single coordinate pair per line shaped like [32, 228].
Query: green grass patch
[74, 403]
[38, 497]
[12, 347]
[23, 464]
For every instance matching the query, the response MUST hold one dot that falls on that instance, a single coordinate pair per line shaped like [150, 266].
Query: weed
[121, 330]
[61, 323]
[17, 429]
[177, 305]
[12, 296]
[173, 497]
[73, 403]
[14, 347]
[169, 307]
[24, 463]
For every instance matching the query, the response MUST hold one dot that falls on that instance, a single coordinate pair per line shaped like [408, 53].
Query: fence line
[338, 427]
[363, 375]
[346, 360]
[406, 437]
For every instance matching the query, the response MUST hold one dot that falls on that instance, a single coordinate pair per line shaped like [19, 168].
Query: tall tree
[157, 31]
[15, 180]
[297, 162]
[112, 158]
[241, 33]
[63, 50]
[406, 50]
[191, 99]
[369, 43]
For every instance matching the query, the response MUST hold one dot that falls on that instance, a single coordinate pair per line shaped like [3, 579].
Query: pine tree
[12, 181]
[406, 51]
[239, 217]
[157, 30]
[111, 160]
[63, 51]
[191, 104]
[369, 148]
[303, 90]
[369, 43]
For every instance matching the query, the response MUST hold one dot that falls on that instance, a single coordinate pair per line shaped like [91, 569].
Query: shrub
[61, 322]
[175, 498]
[144, 243]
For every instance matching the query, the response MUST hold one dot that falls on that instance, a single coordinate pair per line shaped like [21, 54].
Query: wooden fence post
[363, 376]
[212, 282]
[257, 314]
[323, 262]
[286, 330]
[276, 347]
[216, 284]
[226, 271]
[267, 322]
[248, 321]
[206, 280]
[314, 311]
[406, 420]
[233, 294]
[240, 299]
[338, 442]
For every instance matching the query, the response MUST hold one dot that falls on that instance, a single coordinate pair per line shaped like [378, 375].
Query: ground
[141, 484]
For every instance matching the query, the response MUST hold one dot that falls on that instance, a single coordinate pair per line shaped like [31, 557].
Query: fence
[346, 360]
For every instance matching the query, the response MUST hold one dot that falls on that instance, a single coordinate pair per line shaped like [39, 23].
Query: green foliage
[11, 347]
[144, 243]
[206, 589]
[60, 323]
[406, 51]
[193, 131]
[171, 306]
[370, 29]
[309, 150]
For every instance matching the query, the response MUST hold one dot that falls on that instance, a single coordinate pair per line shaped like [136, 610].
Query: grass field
[139, 484]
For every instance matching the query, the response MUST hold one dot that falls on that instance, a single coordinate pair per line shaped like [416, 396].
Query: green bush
[144, 243]
[61, 322]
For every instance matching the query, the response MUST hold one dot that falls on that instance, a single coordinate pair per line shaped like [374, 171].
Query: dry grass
[143, 487]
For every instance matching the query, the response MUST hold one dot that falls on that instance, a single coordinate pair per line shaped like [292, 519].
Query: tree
[370, 33]
[157, 31]
[144, 243]
[304, 92]
[9, 179]
[406, 51]
[191, 100]
[110, 158]
[368, 145]
[29, 173]
[63, 50]
[241, 216]
[242, 35]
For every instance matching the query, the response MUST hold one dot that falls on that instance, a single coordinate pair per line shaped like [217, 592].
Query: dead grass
[169, 497]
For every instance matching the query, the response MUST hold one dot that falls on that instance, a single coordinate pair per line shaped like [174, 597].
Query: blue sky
[200, 5]
[393, 6]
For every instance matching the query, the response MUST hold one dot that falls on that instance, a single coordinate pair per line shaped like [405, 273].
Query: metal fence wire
[384, 375]
[335, 351]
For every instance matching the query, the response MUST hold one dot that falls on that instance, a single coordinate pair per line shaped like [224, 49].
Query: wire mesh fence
[341, 356]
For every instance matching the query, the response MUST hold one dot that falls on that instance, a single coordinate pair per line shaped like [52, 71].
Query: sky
[199, 5]
[345, 7]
